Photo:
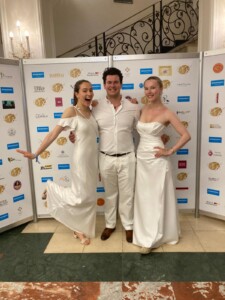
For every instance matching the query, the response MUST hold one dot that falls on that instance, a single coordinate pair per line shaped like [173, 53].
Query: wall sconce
[18, 49]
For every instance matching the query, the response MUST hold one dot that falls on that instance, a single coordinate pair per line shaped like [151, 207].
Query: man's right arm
[72, 137]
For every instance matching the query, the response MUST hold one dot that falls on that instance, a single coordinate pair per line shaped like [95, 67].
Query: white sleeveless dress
[155, 209]
[75, 206]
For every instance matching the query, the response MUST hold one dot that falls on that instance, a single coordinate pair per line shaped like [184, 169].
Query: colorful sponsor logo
[38, 74]
[4, 217]
[144, 71]
[46, 167]
[7, 90]
[63, 166]
[96, 86]
[213, 192]
[100, 189]
[58, 115]
[17, 185]
[128, 86]
[58, 101]
[182, 200]
[183, 152]
[214, 153]
[43, 129]
[217, 83]
[183, 99]
[8, 104]
[182, 164]
[213, 139]
[13, 146]
[18, 198]
[45, 179]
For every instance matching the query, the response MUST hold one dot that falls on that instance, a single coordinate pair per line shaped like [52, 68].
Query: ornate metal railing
[167, 25]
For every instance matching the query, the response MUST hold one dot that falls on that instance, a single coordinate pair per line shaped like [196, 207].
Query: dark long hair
[77, 88]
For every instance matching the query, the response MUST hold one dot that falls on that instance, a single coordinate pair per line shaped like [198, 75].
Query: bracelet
[36, 158]
[173, 151]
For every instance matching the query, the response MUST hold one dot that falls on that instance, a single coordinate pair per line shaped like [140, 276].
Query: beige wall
[76, 21]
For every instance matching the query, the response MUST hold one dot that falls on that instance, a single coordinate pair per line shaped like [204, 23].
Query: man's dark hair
[112, 71]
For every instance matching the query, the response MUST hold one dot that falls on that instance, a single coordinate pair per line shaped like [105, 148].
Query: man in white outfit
[117, 118]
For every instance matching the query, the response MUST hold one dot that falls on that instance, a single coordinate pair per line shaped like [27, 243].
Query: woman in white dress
[155, 210]
[75, 206]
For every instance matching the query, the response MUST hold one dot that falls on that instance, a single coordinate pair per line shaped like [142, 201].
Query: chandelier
[20, 44]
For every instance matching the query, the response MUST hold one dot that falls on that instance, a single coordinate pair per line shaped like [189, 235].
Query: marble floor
[43, 261]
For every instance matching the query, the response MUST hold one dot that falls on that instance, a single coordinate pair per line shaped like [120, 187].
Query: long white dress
[155, 209]
[75, 206]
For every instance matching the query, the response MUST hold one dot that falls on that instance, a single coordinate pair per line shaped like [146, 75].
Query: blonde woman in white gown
[75, 206]
[155, 209]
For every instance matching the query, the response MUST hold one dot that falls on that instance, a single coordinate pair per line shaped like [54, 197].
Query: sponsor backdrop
[49, 90]
[212, 188]
[15, 185]
[180, 76]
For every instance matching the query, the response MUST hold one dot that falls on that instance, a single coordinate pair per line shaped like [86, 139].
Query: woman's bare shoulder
[69, 112]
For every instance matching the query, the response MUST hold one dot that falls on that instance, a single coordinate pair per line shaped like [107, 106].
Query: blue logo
[18, 198]
[182, 200]
[97, 139]
[213, 139]
[183, 99]
[96, 86]
[100, 189]
[128, 86]
[0, 162]
[38, 74]
[213, 192]
[45, 179]
[13, 146]
[182, 152]
[4, 217]
[43, 129]
[217, 83]
[58, 115]
[145, 71]
[63, 166]
[141, 85]
[7, 90]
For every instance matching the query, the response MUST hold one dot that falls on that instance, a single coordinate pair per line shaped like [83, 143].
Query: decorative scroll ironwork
[165, 27]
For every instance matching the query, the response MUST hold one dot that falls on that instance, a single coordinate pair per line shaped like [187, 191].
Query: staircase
[164, 27]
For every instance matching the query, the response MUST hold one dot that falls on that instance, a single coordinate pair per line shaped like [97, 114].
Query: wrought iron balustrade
[168, 24]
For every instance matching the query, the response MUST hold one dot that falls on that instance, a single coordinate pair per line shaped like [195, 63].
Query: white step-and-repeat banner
[212, 184]
[15, 185]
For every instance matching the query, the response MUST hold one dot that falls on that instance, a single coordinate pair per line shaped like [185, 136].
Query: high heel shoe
[81, 236]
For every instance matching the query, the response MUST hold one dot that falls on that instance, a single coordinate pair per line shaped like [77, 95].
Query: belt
[115, 155]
